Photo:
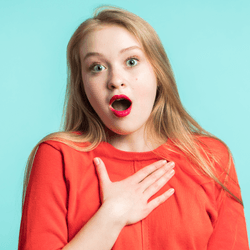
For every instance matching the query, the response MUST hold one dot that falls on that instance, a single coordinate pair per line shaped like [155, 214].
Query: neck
[135, 142]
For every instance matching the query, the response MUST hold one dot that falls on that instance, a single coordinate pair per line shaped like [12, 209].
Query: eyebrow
[99, 54]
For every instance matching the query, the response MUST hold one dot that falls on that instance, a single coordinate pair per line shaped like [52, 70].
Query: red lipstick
[120, 113]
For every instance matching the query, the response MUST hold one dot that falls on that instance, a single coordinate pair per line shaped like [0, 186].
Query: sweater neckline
[106, 149]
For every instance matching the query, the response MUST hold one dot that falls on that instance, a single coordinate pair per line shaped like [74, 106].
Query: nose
[116, 80]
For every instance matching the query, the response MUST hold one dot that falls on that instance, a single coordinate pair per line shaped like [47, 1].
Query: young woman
[132, 170]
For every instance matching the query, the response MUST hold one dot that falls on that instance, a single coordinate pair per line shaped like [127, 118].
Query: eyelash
[91, 68]
[134, 58]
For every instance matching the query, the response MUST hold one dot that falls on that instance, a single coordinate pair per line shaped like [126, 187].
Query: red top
[63, 194]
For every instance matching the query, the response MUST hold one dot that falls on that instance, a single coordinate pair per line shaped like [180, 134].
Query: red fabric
[63, 194]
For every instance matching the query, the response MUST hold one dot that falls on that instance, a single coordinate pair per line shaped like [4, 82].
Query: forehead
[108, 39]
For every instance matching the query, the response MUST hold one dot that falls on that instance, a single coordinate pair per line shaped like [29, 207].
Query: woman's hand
[128, 199]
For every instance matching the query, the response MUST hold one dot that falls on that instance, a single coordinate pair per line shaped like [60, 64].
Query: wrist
[112, 212]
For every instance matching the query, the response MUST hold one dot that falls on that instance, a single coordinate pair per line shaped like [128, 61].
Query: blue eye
[132, 62]
[98, 68]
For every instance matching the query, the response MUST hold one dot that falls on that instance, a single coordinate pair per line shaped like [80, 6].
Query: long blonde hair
[168, 119]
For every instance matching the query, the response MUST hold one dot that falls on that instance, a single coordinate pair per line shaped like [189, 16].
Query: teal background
[208, 43]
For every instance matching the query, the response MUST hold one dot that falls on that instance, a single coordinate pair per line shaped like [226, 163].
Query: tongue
[121, 105]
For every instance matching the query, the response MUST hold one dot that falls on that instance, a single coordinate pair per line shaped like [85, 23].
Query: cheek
[148, 94]
[96, 98]
[91, 95]
[147, 84]
[90, 86]
[94, 83]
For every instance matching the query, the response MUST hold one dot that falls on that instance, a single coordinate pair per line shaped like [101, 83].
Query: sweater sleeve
[230, 227]
[44, 216]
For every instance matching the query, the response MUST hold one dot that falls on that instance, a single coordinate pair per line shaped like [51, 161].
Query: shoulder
[55, 155]
[61, 148]
[218, 157]
[54, 145]
[62, 141]
[222, 159]
[212, 142]
[224, 167]
[214, 148]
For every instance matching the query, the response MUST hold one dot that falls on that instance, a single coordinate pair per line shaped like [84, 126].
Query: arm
[230, 227]
[100, 232]
[44, 223]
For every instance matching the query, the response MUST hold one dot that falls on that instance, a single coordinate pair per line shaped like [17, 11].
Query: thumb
[101, 172]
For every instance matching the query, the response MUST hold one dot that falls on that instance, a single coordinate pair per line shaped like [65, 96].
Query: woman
[132, 170]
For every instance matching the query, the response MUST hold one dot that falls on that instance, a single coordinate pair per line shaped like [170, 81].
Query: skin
[124, 202]
[113, 63]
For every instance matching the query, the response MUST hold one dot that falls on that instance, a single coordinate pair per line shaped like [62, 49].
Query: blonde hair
[168, 119]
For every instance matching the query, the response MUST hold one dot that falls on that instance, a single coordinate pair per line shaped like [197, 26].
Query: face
[118, 79]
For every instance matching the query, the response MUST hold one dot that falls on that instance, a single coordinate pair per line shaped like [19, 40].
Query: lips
[120, 105]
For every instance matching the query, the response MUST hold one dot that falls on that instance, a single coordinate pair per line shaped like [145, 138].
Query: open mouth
[120, 105]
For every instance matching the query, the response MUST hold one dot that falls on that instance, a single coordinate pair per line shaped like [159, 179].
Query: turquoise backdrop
[208, 43]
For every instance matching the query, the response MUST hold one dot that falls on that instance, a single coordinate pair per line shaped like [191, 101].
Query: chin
[117, 131]
[120, 132]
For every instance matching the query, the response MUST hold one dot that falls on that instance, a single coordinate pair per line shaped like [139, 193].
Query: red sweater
[63, 194]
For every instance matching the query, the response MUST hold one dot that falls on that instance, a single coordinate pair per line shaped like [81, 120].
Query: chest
[184, 219]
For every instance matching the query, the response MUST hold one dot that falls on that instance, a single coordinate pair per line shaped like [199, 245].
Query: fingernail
[172, 172]
[171, 190]
[171, 164]
[96, 161]
[164, 161]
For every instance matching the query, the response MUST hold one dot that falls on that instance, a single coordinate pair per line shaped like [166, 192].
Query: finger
[156, 186]
[159, 200]
[152, 178]
[143, 173]
[101, 172]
